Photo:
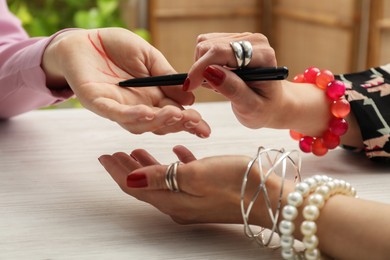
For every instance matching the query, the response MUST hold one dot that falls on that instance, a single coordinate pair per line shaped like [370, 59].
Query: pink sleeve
[22, 80]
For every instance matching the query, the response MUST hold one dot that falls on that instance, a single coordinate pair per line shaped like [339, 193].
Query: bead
[300, 78]
[305, 144]
[324, 191]
[295, 135]
[288, 254]
[286, 241]
[340, 108]
[303, 188]
[286, 227]
[310, 242]
[308, 228]
[312, 254]
[338, 126]
[311, 212]
[310, 74]
[295, 199]
[318, 178]
[324, 77]
[289, 212]
[316, 200]
[318, 147]
[330, 140]
[312, 183]
[335, 89]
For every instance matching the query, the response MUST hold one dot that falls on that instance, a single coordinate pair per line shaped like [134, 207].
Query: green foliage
[45, 17]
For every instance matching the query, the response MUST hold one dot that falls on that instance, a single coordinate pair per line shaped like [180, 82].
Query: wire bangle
[276, 159]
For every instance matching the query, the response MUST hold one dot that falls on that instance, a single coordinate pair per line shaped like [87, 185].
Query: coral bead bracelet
[339, 108]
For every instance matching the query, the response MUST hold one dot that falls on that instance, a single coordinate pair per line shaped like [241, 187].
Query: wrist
[51, 65]
[308, 109]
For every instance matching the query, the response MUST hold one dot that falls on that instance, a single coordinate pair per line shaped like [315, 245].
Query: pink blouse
[22, 80]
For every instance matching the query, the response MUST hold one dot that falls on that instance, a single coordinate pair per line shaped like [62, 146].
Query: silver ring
[243, 52]
[238, 52]
[170, 177]
[248, 50]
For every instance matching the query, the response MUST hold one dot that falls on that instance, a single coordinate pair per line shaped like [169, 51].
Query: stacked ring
[170, 177]
[243, 52]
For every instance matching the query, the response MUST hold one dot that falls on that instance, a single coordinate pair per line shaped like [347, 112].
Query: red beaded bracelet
[339, 108]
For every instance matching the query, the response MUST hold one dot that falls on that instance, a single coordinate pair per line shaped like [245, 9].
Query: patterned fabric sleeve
[369, 95]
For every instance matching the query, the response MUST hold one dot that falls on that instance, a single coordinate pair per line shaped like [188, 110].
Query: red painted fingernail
[137, 180]
[186, 84]
[214, 76]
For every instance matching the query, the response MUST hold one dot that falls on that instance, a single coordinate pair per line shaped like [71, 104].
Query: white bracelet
[320, 188]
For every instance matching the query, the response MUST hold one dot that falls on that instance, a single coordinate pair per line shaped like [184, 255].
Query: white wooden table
[57, 201]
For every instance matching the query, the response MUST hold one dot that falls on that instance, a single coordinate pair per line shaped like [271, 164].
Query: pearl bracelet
[317, 189]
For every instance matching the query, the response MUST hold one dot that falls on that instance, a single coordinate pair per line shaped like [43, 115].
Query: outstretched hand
[210, 188]
[92, 62]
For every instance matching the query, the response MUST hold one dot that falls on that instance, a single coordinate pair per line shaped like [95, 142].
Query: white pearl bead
[286, 241]
[310, 242]
[337, 184]
[289, 212]
[295, 199]
[302, 188]
[353, 192]
[312, 254]
[311, 212]
[288, 254]
[316, 200]
[308, 228]
[342, 184]
[318, 179]
[286, 227]
[312, 183]
[324, 191]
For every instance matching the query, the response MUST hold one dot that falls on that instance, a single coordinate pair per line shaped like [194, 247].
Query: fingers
[215, 49]
[143, 157]
[139, 119]
[118, 166]
[183, 154]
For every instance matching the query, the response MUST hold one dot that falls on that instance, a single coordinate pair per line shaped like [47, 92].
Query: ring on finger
[238, 53]
[171, 177]
[248, 51]
[243, 52]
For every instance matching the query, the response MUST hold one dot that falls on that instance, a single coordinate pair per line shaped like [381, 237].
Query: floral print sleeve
[368, 92]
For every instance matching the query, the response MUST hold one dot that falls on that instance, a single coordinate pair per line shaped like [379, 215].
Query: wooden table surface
[57, 201]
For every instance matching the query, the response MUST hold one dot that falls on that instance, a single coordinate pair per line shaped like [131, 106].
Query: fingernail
[201, 136]
[186, 84]
[137, 180]
[214, 76]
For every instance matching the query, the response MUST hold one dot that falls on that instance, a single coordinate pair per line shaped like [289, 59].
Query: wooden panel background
[174, 26]
[320, 33]
[379, 51]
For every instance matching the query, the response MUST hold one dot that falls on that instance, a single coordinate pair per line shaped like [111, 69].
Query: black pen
[246, 74]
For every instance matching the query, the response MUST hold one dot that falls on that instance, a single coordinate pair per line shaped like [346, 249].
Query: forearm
[350, 228]
[347, 227]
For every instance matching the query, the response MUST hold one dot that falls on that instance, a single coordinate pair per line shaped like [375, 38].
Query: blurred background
[340, 35]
